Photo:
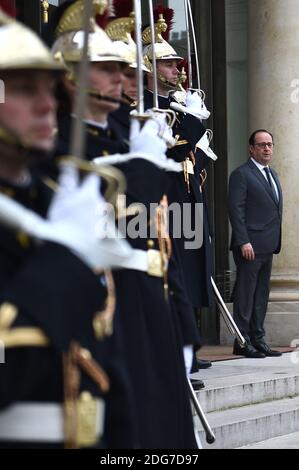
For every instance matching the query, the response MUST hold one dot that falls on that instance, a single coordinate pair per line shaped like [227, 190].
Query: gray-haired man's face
[262, 150]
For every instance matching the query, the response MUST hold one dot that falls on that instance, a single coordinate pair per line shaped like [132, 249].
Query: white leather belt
[37, 422]
[42, 422]
[146, 261]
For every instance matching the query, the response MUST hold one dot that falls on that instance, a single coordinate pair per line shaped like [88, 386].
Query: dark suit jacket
[254, 212]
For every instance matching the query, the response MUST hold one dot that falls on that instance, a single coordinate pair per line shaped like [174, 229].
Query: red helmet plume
[123, 8]
[8, 6]
[103, 20]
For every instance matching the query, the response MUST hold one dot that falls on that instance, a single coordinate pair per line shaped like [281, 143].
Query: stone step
[242, 382]
[250, 424]
[250, 400]
[288, 441]
[254, 390]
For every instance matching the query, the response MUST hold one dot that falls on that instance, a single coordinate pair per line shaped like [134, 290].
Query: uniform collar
[259, 165]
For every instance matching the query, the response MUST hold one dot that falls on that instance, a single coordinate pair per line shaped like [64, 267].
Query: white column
[274, 105]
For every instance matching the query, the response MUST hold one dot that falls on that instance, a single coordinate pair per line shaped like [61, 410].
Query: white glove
[204, 145]
[151, 138]
[77, 218]
[165, 131]
[194, 105]
[188, 358]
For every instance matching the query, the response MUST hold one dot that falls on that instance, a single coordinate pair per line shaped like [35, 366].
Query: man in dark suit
[255, 212]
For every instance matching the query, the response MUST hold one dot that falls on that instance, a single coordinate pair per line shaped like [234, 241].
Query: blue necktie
[267, 170]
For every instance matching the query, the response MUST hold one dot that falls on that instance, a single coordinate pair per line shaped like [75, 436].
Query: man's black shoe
[265, 349]
[203, 364]
[248, 351]
[197, 384]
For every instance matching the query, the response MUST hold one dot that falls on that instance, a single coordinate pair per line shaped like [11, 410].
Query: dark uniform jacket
[179, 299]
[55, 292]
[254, 210]
[196, 264]
[121, 120]
[151, 331]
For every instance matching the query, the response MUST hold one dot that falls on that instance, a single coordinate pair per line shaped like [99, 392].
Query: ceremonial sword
[229, 321]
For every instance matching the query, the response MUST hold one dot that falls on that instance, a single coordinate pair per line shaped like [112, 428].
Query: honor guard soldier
[192, 150]
[120, 30]
[55, 382]
[150, 330]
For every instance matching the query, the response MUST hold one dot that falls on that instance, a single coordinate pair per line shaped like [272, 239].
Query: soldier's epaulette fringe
[23, 337]
[19, 336]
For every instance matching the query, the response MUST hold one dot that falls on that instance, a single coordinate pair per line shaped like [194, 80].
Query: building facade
[249, 72]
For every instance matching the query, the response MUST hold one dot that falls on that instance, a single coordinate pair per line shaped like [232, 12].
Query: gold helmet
[163, 50]
[21, 48]
[72, 17]
[70, 36]
[120, 30]
[69, 47]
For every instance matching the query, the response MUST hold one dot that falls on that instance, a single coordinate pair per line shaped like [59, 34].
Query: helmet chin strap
[131, 101]
[96, 94]
[93, 92]
[169, 85]
[9, 137]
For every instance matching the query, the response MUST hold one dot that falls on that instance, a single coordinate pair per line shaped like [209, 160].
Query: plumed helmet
[120, 31]
[163, 50]
[68, 46]
[21, 48]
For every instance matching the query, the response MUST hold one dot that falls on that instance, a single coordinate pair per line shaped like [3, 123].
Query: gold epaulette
[23, 337]
[19, 336]
[180, 142]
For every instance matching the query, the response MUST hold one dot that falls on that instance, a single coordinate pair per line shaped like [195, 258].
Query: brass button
[150, 244]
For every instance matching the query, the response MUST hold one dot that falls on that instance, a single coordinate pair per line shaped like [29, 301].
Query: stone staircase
[289, 441]
[248, 401]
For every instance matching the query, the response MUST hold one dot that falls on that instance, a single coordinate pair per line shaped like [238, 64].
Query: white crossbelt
[168, 164]
[38, 422]
[146, 261]
[138, 261]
